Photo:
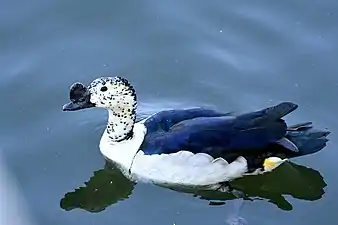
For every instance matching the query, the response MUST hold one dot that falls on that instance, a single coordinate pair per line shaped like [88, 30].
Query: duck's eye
[104, 88]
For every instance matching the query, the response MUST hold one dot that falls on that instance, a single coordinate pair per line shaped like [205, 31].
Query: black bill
[79, 98]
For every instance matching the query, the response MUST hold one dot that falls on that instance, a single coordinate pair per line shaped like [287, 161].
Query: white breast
[186, 168]
[181, 168]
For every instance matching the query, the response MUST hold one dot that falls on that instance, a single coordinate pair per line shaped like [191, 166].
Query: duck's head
[113, 93]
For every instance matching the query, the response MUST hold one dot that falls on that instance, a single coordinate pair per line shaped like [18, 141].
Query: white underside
[182, 168]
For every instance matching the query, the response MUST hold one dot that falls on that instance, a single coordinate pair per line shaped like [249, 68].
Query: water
[229, 55]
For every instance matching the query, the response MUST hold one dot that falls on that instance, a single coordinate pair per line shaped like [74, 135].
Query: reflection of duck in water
[106, 187]
[109, 186]
[192, 147]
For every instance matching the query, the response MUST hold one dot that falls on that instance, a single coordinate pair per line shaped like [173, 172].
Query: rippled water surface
[229, 55]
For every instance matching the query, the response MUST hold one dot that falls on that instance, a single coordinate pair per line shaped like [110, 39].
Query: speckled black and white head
[116, 95]
[113, 93]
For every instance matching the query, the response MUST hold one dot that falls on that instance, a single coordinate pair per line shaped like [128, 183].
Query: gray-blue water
[229, 55]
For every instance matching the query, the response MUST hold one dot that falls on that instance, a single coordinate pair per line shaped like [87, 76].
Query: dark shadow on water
[290, 179]
[108, 186]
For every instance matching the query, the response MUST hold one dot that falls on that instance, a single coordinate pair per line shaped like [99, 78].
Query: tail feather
[280, 110]
[307, 139]
[272, 113]
[300, 126]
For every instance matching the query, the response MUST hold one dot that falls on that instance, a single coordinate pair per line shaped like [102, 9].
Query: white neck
[122, 153]
[120, 125]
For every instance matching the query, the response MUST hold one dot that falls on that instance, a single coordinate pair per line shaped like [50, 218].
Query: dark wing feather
[164, 120]
[217, 135]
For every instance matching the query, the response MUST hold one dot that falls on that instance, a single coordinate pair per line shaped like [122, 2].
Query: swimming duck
[196, 146]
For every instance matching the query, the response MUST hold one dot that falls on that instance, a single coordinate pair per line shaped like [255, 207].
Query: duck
[192, 147]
